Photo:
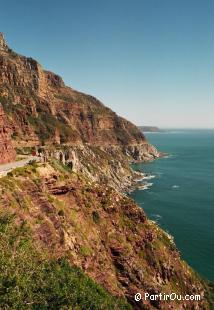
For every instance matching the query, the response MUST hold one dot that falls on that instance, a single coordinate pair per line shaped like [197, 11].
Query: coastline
[182, 195]
[139, 177]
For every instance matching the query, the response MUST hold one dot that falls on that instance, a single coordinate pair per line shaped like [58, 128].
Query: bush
[96, 217]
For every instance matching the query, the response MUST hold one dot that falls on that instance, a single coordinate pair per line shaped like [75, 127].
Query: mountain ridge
[50, 112]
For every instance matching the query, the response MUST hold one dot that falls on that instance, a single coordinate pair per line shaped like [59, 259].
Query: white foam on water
[175, 186]
[140, 180]
[169, 156]
[145, 186]
[149, 177]
[157, 216]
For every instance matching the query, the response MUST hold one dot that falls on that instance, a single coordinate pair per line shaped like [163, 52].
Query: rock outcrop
[103, 165]
[3, 44]
[7, 152]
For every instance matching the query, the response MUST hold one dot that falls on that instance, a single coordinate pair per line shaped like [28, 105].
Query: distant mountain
[150, 129]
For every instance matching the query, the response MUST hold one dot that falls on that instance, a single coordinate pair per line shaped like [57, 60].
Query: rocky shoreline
[139, 177]
[137, 182]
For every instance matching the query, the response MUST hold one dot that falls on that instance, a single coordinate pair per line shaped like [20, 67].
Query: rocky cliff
[7, 152]
[42, 110]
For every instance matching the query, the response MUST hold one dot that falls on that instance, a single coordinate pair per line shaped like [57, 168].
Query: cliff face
[7, 152]
[43, 110]
[108, 164]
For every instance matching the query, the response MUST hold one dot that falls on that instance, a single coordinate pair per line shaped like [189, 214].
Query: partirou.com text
[163, 296]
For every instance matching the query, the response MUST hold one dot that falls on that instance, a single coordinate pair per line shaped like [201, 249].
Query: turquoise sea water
[181, 198]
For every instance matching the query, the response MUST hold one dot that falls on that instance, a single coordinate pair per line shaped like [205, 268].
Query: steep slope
[101, 231]
[29, 279]
[42, 110]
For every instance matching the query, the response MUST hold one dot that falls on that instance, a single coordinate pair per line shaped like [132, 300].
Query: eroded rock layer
[7, 152]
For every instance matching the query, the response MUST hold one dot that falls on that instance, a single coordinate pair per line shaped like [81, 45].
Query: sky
[151, 61]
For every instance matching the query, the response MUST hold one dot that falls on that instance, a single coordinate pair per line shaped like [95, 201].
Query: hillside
[70, 238]
[95, 228]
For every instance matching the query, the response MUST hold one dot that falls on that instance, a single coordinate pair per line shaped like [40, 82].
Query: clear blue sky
[152, 61]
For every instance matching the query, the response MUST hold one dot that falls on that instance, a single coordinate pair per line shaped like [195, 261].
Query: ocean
[179, 194]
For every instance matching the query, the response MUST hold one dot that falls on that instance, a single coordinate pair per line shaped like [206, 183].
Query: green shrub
[96, 217]
[24, 150]
[61, 213]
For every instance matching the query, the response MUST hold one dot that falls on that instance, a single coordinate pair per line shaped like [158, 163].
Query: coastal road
[5, 168]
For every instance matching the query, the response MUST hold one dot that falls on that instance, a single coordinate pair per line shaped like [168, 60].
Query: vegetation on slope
[75, 222]
[29, 280]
